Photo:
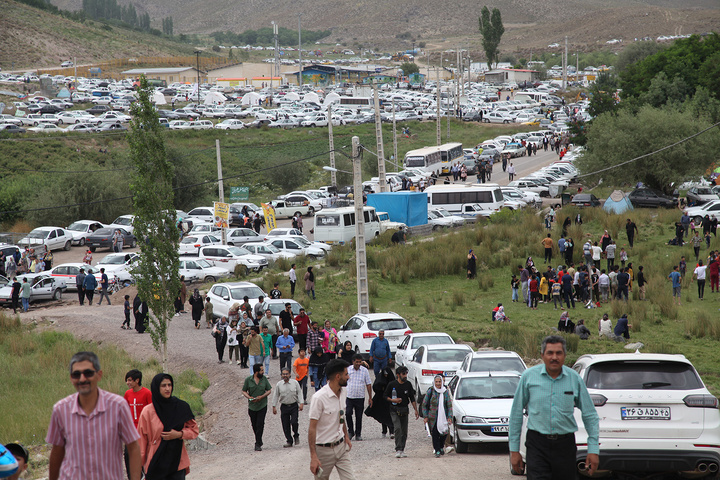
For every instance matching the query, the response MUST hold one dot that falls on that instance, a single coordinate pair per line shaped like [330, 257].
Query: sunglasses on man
[87, 373]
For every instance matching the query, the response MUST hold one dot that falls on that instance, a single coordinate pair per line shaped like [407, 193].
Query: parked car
[431, 360]
[229, 257]
[362, 328]
[481, 407]
[201, 270]
[119, 264]
[230, 124]
[297, 247]
[44, 287]
[268, 251]
[81, 229]
[493, 361]
[46, 128]
[700, 195]
[103, 238]
[51, 238]
[407, 348]
[241, 236]
[585, 200]
[647, 197]
[656, 415]
[225, 295]
[68, 271]
[191, 244]
[125, 222]
[711, 209]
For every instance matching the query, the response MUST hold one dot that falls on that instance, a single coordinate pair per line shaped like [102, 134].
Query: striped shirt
[93, 443]
[550, 403]
[356, 386]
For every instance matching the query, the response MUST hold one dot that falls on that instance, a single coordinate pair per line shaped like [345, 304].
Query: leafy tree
[614, 139]
[409, 68]
[157, 277]
[491, 29]
[636, 52]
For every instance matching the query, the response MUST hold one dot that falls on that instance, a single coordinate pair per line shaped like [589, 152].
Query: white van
[337, 225]
[452, 197]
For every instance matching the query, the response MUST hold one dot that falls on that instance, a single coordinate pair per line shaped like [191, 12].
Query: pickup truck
[387, 224]
[471, 211]
[514, 149]
[285, 209]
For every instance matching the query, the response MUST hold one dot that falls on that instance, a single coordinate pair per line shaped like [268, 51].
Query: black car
[169, 114]
[647, 197]
[10, 128]
[50, 109]
[103, 238]
[493, 153]
[471, 166]
[97, 109]
[585, 200]
[472, 117]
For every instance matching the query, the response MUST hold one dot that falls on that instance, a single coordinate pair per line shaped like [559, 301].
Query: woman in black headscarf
[163, 427]
[380, 409]
[140, 310]
[197, 306]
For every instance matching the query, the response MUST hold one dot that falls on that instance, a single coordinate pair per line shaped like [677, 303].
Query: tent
[215, 98]
[159, 98]
[617, 202]
[292, 96]
[331, 98]
[409, 208]
[311, 97]
[63, 93]
[250, 98]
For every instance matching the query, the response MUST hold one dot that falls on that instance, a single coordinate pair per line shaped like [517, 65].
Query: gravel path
[226, 423]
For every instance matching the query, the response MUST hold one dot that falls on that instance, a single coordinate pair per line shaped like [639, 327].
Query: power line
[651, 153]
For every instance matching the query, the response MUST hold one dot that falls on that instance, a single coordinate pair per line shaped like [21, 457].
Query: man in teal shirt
[256, 389]
[550, 393]
[267, 340]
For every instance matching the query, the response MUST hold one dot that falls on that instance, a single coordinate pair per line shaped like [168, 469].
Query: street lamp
[331, 169]
[197, 58]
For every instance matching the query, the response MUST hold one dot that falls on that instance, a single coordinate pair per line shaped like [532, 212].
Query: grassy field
[425, 283]
[70, 168]
[36, 376]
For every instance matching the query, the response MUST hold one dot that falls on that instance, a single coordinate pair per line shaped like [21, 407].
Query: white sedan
[407, 348]
[46, 128]
[296, 246]
[119, 264]
[481, 407]
[44, 287]
[431, 360]
[192, 243]
[82, 229]
[201, 270]
[225, 295]
[230, 124]
[268, 251]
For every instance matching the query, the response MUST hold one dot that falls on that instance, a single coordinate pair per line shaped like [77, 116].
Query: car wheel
[133, 243]
[297, 213]
[460, 446]
[57, 294]
[210, 278]
[698, 220]
[311, 210]
[67, 246]
[82, 242]
[60, 122]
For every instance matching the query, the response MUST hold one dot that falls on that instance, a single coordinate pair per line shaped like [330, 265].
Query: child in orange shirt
[301, 365]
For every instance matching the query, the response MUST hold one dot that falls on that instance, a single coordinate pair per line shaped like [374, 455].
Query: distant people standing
[511, 172]
[104, 284]
[79, 284]
[631, 229]
[293, 280]
[310, 282]
[471, 265]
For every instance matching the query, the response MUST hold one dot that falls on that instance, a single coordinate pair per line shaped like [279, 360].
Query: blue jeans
[266, 360]
[26, 304]
[253, 359]
[378, 365]
[515, 296]
[319, 382]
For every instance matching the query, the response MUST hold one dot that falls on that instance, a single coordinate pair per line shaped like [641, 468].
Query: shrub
[572, 341]
[373, 289]
[485, 282]
[412, 301]
[458, 299]
[429, 306]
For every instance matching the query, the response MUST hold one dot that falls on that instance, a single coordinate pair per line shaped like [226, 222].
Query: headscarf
[173, 413]
[441, 421]
[311, 275]
[565, 317]
[196, 293]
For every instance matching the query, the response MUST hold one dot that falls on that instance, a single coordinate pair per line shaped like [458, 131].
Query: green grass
[35, 366]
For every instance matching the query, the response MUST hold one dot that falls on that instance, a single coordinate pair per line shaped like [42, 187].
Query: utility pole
[333, 172]
[447, 136]
[395, 159]
[457, 84]
[437, 91]
[197, 59]
[221, 187]
[577, 66]
[276, 72]
[299, 52]
[379, 139]
[564, 81]
[360, 253]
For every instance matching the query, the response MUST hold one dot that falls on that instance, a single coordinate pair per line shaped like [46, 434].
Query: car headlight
[469, 419]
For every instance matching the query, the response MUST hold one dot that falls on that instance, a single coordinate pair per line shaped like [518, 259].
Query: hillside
[377, 21]
[32, 37]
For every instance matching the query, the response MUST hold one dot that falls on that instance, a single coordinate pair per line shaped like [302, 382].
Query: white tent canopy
[292, 96]
[250, 98]
[158, 98]
[331, 98]
[214, 98]
[311, 97]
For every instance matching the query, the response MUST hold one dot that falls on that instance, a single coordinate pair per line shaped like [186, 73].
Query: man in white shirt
[358, 383]
[596, 255]
[293, 280]
[699, 273]
[604, 284]
[327, 435]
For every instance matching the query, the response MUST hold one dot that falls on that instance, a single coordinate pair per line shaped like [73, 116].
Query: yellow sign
[222, 214]
[269, 213]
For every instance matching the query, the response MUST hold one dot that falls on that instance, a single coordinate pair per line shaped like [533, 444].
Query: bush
[485, 282]
[412, 301]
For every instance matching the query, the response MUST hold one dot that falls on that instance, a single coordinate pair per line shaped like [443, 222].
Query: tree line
[264, 36]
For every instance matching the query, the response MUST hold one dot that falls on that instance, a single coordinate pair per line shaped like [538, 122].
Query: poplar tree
[491, 29]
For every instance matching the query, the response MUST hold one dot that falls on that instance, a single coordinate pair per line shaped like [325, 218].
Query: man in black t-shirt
[286, 319]
[400, 394]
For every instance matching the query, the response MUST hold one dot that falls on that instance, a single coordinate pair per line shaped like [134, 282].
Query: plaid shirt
[313, 339]
[358, 381]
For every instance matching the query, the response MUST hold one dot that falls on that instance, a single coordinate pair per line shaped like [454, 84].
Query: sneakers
[403, 454]
[392, 435]
[398, 454]
[297, 438]
[384, 435]
[258, 448]
[437, 454]
[288, 445]
[358, 438]
[238, 362]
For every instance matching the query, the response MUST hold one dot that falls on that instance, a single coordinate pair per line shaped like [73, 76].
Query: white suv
[362, 329]
[656, 415]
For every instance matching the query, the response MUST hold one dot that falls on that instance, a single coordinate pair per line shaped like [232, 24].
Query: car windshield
[497, 364]
[387, 324]
[203, 263]
[238, 293]
[78, 227]
[438, 340]
[103, 231]
[278, 307]
[187, 240]
[238, 252]
[640, 375]
[38, 234]
[270, 247]
[486, 387]
[302, 241]
[446, 355]
[113, 260]
[122, 221]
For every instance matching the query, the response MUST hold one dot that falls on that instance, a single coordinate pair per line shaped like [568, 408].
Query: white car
[241, 236]
[497, 117]
[282, 232]
[120, 265]
[46, 128]
[52, 238]
[204, 228]
[362, 329]
[296, 246]
[269, 251]
[456, 220]
[526, 196]
[229, 257]
[82, 229]
[493, 361]
[179, 125]
[44, 287]
[711, 209]
[656, 415]
[407, 348]
[438, 221]
[481, 407]
[431, 360]
[190, 245]
[113, 117]
[68, 271]
[230, 124]
[225, 295]
[81, 127]
[206, 214]
[125, 222]
[201, 125]
[201, 270]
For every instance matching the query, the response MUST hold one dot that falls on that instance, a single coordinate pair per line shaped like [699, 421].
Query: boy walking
[126, 309]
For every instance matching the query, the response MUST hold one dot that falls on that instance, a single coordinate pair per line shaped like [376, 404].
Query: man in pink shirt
[88, 429]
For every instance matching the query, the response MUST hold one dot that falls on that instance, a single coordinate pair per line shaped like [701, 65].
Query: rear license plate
[449, 374]
[501, 428]
[645, 413]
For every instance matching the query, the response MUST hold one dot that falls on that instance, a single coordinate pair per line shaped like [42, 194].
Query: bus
[427, 158]
[451, 153]
[337, 225]
[355, 103]
[452, 197]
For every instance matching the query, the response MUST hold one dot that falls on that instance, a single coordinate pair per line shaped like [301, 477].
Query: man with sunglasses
[88, 429]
